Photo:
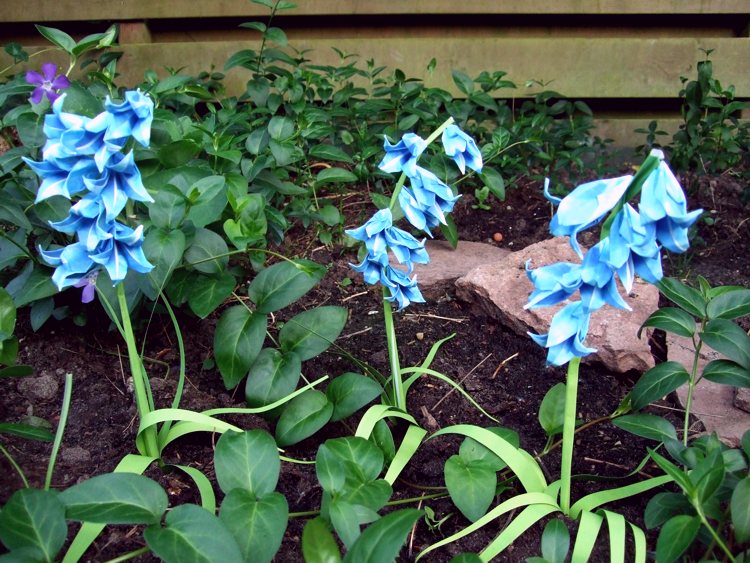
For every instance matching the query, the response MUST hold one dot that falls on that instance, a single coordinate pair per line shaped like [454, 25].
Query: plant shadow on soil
[504, 372]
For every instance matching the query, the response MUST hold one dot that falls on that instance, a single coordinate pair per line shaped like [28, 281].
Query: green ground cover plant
[170, 198]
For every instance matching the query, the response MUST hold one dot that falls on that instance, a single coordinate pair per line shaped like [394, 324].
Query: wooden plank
[576, 67]
[88, 10]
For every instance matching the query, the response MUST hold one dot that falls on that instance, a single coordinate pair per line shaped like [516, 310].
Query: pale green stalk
[569, 429]
[399, 396]
[15, 466]
[140, 381]
[691, 387]
[60, 429]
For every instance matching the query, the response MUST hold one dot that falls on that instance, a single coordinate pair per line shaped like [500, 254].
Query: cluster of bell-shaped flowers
[83, 161]
[632, 245]
[424, 203]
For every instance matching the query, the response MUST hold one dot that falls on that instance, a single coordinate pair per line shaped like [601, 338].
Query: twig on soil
[472, 370]
[345, 299]
[414, 531]
[617, 465]
[367, 329]
[502, 364]
[413, 316]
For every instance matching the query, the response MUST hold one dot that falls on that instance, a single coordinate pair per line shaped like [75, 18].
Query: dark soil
[505, 373]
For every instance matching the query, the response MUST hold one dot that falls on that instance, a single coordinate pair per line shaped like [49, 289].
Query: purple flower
[49, 83]
[88, 283]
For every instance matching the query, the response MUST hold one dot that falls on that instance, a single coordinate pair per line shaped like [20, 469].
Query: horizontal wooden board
[575, 67]
[70, 10]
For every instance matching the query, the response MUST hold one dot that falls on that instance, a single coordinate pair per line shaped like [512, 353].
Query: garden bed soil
[504, 372]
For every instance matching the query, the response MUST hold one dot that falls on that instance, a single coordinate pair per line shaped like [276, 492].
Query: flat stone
[501, 289]
[447, 265]
[742, 399]
[713, 403]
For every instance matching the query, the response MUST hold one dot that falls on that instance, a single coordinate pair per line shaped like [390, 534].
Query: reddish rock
[502, 289]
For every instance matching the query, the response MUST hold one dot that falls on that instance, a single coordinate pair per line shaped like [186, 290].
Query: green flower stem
[390, 334]
[140, 380]
[67, 392]
[649, 165]
[717, 538]
[691, 386]
[569, 428]
[15, 466]
[402, 179]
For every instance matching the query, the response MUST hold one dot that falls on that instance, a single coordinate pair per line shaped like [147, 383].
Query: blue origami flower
[403, 289]
[427, 200]
[663, 203]
[72, 263]
[402, 157]
[130, 118]
[594, 279]
[122, 252]
[462, 149]
[566, 335]
[379, 234]
[585, 206]
[61, 176]
[49, 83]
[119, 181]
[633, 249]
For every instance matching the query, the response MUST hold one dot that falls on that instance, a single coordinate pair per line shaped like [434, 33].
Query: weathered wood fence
[624, 57]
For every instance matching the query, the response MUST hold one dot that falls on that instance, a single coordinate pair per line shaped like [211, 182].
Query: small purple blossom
[88, 283]
[48, 83]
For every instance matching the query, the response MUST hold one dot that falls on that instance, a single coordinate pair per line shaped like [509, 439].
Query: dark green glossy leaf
[671, 319]
[676, 536]
[26, 431]
[349, 392]
[662, 506]
[164, 249]
[30, 126]
[646, 426]
[211, 292]
[168, 210]
[471, 486]
[318, 543]
[178, 153]
[238, 338]
[345, 521]
[258, 525]
[329, 152]
[208, 252]
[494, 181]
[679, 476]
[683, 296]
[382, 540]
[34, 519]
[283, 283]
[303, 416]
[334, 176]
[730, 305]
[57, 37]
[281, 128]
[208, 197]
[192, 534]
[729, 339]
[464, 83]
[727, 372]
[7, 315]
[36, 285]
[40, 312]
[311, 332]
[336, 455]
[247, 460]
[115, 498]
[740, 509]
[16, 371]
[707, 476]
[273, 376]
[658, 382]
